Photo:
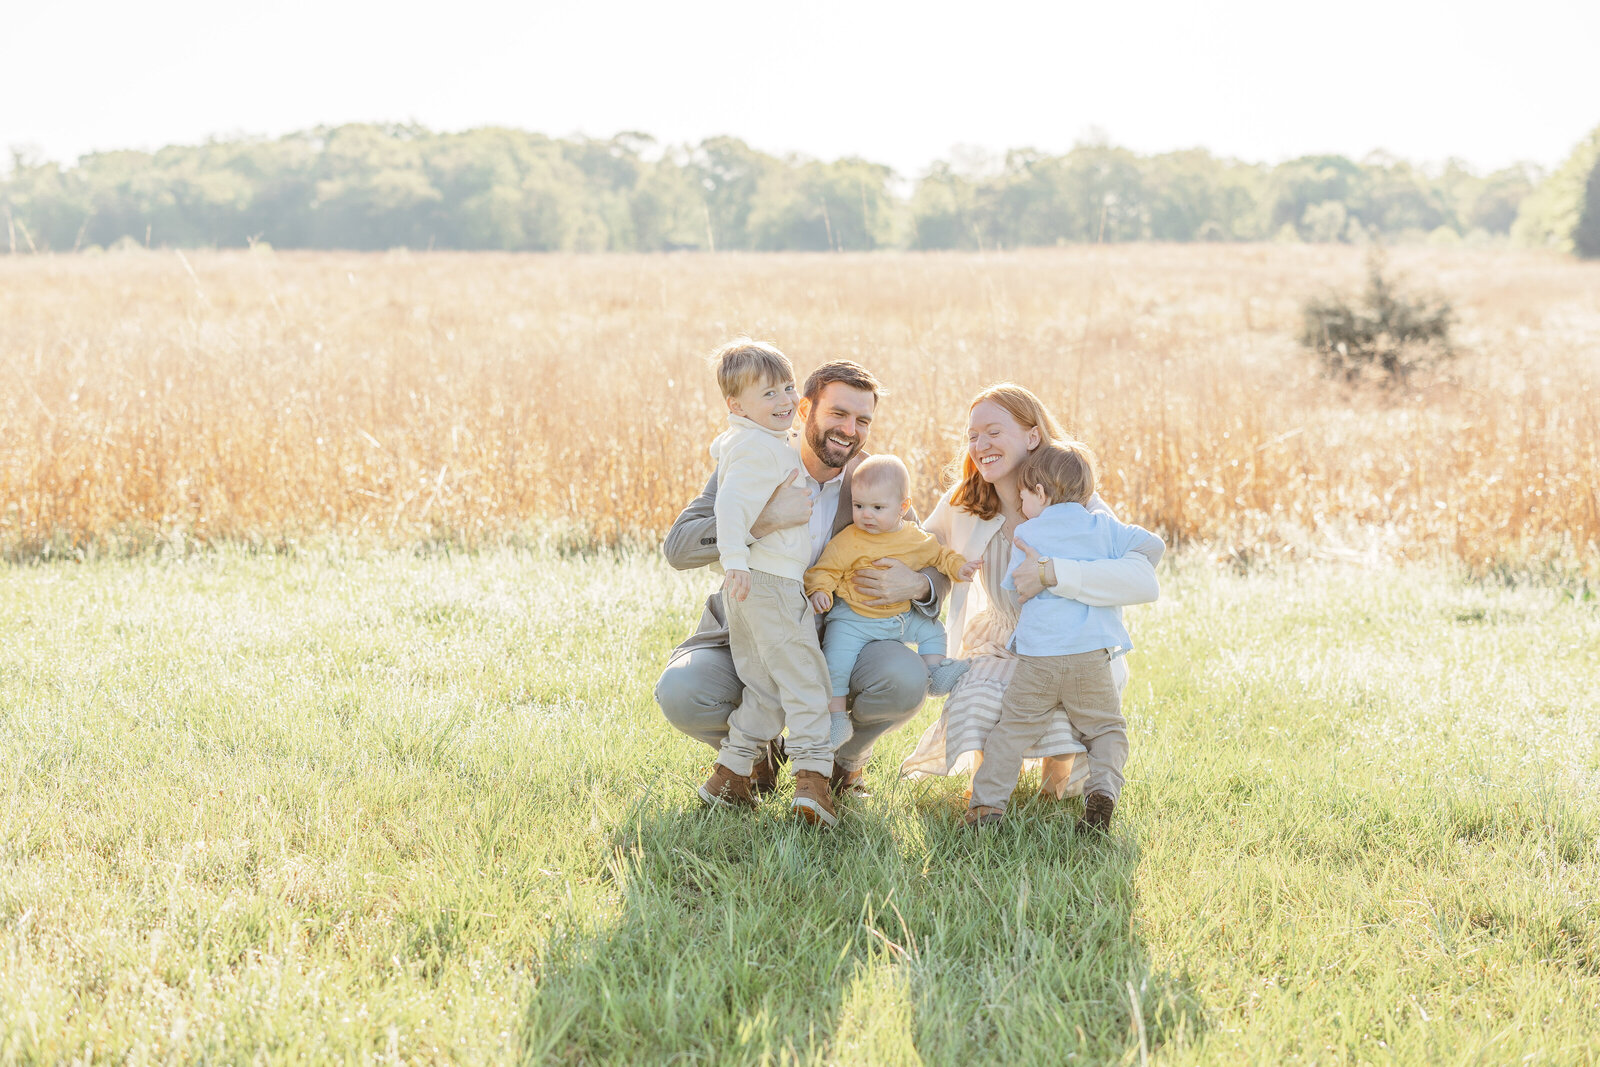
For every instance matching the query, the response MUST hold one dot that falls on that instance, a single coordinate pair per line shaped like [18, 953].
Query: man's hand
[888, 581]
[1027, 579]
[736, 584]
[966, 573]
[789, 505]
[821, 601]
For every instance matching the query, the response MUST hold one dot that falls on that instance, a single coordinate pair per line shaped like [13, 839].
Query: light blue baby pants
[847, 633]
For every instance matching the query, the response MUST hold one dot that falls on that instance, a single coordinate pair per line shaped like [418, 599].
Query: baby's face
[876, 509]
[1033, 502]
[769, 404]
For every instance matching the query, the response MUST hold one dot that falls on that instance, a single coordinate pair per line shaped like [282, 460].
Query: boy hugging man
[880, 496]
[771, 632]
[1064, 647]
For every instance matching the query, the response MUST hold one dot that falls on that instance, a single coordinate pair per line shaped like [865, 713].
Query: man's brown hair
[1065, 469]
[842, 370]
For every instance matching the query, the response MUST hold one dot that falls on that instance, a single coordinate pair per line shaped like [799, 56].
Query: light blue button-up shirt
[1052, 625]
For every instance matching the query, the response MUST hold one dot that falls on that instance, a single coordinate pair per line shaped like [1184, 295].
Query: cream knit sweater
[752, 461]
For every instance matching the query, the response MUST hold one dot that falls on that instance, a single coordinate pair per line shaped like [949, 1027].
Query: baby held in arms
[880, 494]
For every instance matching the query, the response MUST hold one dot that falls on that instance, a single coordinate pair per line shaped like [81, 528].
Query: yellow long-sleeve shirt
[852, 549]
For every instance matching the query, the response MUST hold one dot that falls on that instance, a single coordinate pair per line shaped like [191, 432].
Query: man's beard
[827, 451]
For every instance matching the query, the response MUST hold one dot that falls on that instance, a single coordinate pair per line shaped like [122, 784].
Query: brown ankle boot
[724, 789]
[1097, 809]
[764, 775]
[813, 800]
[982, 815]
[847, 784]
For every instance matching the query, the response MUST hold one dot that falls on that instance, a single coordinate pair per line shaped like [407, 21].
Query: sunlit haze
[900, 84]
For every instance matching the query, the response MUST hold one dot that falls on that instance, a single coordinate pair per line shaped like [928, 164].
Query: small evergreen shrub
[1384, 338]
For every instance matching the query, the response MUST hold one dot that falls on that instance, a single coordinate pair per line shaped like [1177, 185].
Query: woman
[975, 518]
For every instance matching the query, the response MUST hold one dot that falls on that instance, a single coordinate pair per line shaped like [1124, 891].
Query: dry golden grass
[152, 399]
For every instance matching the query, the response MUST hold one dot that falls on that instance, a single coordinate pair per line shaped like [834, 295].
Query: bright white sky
[898, 83]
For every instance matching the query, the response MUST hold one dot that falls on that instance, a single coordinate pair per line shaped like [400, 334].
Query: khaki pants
[1080, 683]
[774, 640]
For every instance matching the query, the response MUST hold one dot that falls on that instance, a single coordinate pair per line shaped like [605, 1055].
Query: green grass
[346, 807]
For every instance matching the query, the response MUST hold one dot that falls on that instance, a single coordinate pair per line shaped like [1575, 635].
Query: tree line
[367, 186]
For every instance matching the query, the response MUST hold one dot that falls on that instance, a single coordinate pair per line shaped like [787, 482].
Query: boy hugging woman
[1063, 646]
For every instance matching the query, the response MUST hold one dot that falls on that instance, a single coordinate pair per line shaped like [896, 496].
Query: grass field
[397, 806]
[156, 399]
[326, 729]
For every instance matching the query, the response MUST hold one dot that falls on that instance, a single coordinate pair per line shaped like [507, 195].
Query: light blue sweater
[1052, 625]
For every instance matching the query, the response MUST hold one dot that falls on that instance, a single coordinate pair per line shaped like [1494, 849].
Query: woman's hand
[821, 601]
[889, 581]
[1027, 578]
[736, 584]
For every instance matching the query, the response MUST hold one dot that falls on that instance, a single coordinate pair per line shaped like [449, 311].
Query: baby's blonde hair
[742, 363]
[1064, 468]
[883, 472]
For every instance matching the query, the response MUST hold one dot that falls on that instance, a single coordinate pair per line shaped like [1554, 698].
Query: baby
[1064, 647]
[880, 493]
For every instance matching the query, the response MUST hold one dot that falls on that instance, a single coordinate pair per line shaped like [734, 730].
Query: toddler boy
[1064, 646]
[770, 628]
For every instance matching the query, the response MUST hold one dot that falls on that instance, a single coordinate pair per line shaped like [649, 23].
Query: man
[699, 688]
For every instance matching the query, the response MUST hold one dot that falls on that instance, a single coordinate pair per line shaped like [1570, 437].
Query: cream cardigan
[752, 461]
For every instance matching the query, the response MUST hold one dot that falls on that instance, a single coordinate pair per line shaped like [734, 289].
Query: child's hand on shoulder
[736, 584]
[821, 601]
[966, 573]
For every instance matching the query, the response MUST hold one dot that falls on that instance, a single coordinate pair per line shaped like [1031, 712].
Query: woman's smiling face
[996, 441]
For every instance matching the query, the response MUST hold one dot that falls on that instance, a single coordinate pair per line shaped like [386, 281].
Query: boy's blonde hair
[1064, 468]
[886, 472]
[742, 363]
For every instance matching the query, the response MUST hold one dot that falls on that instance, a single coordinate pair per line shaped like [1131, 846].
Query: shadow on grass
[897, 937]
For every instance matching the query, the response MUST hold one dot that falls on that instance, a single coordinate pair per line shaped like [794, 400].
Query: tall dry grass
[155, 399]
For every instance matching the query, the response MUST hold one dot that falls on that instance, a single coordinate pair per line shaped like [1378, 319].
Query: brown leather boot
[982, 815]
[847, 783]
[724, 789]
[764, 775]
[1097, 809]
[813, 800]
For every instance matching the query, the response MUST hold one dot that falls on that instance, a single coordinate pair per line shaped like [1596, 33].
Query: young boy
[880, 493]
[770, 628]
[1065, 647]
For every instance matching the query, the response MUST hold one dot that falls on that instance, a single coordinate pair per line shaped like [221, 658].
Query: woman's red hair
[974, 494]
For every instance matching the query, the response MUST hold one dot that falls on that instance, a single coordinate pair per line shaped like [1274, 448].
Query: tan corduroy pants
[774, 640]
[1080, 683]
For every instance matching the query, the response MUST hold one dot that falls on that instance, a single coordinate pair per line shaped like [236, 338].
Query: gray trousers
[700, 688]
[1081, 684]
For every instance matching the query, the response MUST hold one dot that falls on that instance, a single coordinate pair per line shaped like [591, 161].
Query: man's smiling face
[836, 423]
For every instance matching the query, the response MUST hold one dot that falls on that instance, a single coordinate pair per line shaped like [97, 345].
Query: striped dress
[953, 744]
